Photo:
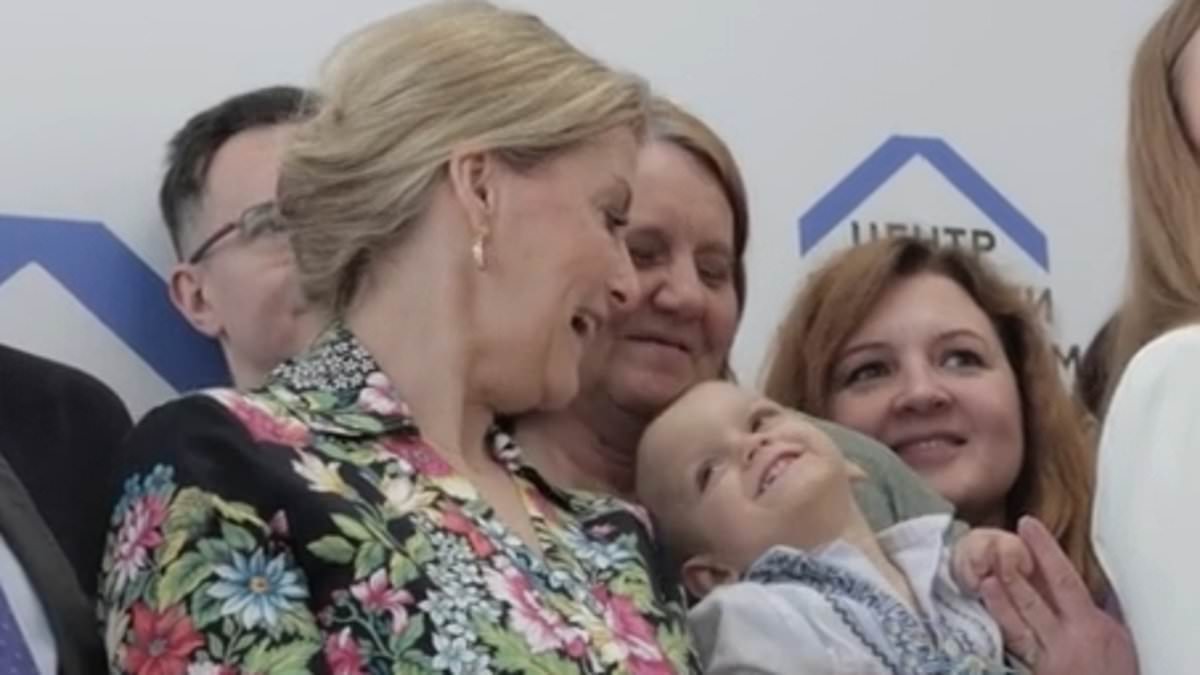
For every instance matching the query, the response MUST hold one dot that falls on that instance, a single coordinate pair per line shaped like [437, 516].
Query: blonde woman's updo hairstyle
[398, 97]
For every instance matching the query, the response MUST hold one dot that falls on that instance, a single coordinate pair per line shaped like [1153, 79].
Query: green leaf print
[332, 548]
[412, 632]
[513, 653]
[299, 623]
[205, 610]
[357, 455]
[290, 658]
[149, 594]
[351, 527]
[402, 570]
[243, 643]
[675, 644]
[319, 400]
[633, 584]
[187, 516]
[418, 549]
[216, 647]
[238, 537]
[173, 545]
[414, 663]
[181, 578]
[370, 558]
[189, 510]
[237, 512]
[360, 422]
[215, 551]
[138, 588]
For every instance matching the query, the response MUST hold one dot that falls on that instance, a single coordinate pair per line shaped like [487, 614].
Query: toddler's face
[737, 473]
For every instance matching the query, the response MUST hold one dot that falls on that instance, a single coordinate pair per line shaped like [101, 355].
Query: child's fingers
[1013, 559]
[972, 560]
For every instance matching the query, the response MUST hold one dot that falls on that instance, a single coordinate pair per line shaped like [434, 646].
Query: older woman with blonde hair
[930, 351]
[456, 207]
[1149, 461]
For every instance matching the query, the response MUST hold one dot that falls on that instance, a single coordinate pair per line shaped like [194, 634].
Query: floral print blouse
[307, 527]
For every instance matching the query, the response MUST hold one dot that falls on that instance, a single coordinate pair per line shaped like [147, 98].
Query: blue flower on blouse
[160, 481]
[255, 589]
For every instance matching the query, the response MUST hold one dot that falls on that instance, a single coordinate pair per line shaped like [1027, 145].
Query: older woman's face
[556, 267]
[681, 327]
[926, 375]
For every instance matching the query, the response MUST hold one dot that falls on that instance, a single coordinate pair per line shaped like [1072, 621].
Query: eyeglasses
[256, 221]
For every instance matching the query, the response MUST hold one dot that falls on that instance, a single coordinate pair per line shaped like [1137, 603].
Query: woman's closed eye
[615, 220]
[714, 272]
[704, 474]
[643, 255]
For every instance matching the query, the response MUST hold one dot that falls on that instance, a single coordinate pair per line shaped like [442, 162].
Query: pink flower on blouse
[634, 634]
[543, 629]
[454, 521]
[377, 596]
[138, 535]
[424, 459]
[380, 397]
[343, 655]
[279, 524]
[265, 426]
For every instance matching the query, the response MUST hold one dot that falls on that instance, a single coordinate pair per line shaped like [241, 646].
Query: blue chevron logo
[119, 288]
[885, 162]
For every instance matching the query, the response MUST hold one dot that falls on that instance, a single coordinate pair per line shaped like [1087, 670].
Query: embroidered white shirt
[831, 611]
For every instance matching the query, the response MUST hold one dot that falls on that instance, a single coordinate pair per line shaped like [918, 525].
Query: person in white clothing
[755, 505]
[1149, 465]
[1149, 456]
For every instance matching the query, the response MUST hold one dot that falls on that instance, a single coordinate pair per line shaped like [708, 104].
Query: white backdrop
[987, 116]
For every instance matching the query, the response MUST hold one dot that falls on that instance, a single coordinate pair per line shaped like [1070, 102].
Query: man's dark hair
[191, 150]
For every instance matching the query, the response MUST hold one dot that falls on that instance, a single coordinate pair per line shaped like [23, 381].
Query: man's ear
[703, 573]
[472, 174]
[188, 295]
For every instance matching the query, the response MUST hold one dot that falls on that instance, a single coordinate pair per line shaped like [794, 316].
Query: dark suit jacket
[59, 431]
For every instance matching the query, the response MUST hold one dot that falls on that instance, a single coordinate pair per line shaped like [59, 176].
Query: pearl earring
[479, 254]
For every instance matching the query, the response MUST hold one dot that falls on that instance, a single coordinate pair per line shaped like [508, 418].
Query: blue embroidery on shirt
[911, 645]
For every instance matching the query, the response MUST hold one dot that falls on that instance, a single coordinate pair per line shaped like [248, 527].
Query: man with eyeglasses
[235, 279]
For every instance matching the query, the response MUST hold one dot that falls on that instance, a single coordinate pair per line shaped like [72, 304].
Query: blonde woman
[1149, 462]
[456, 207]
[931, 352]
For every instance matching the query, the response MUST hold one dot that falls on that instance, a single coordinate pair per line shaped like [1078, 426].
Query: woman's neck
[569, 455]
[589, 446]
[431, 376]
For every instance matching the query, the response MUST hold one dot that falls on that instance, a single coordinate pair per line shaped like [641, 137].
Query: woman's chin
[645, 391]
[558, 392]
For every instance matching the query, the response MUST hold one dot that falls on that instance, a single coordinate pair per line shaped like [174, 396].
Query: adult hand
[1050, 621]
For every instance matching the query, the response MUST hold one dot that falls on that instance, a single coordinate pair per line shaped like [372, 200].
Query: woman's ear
[472, 176]
[703, 573]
